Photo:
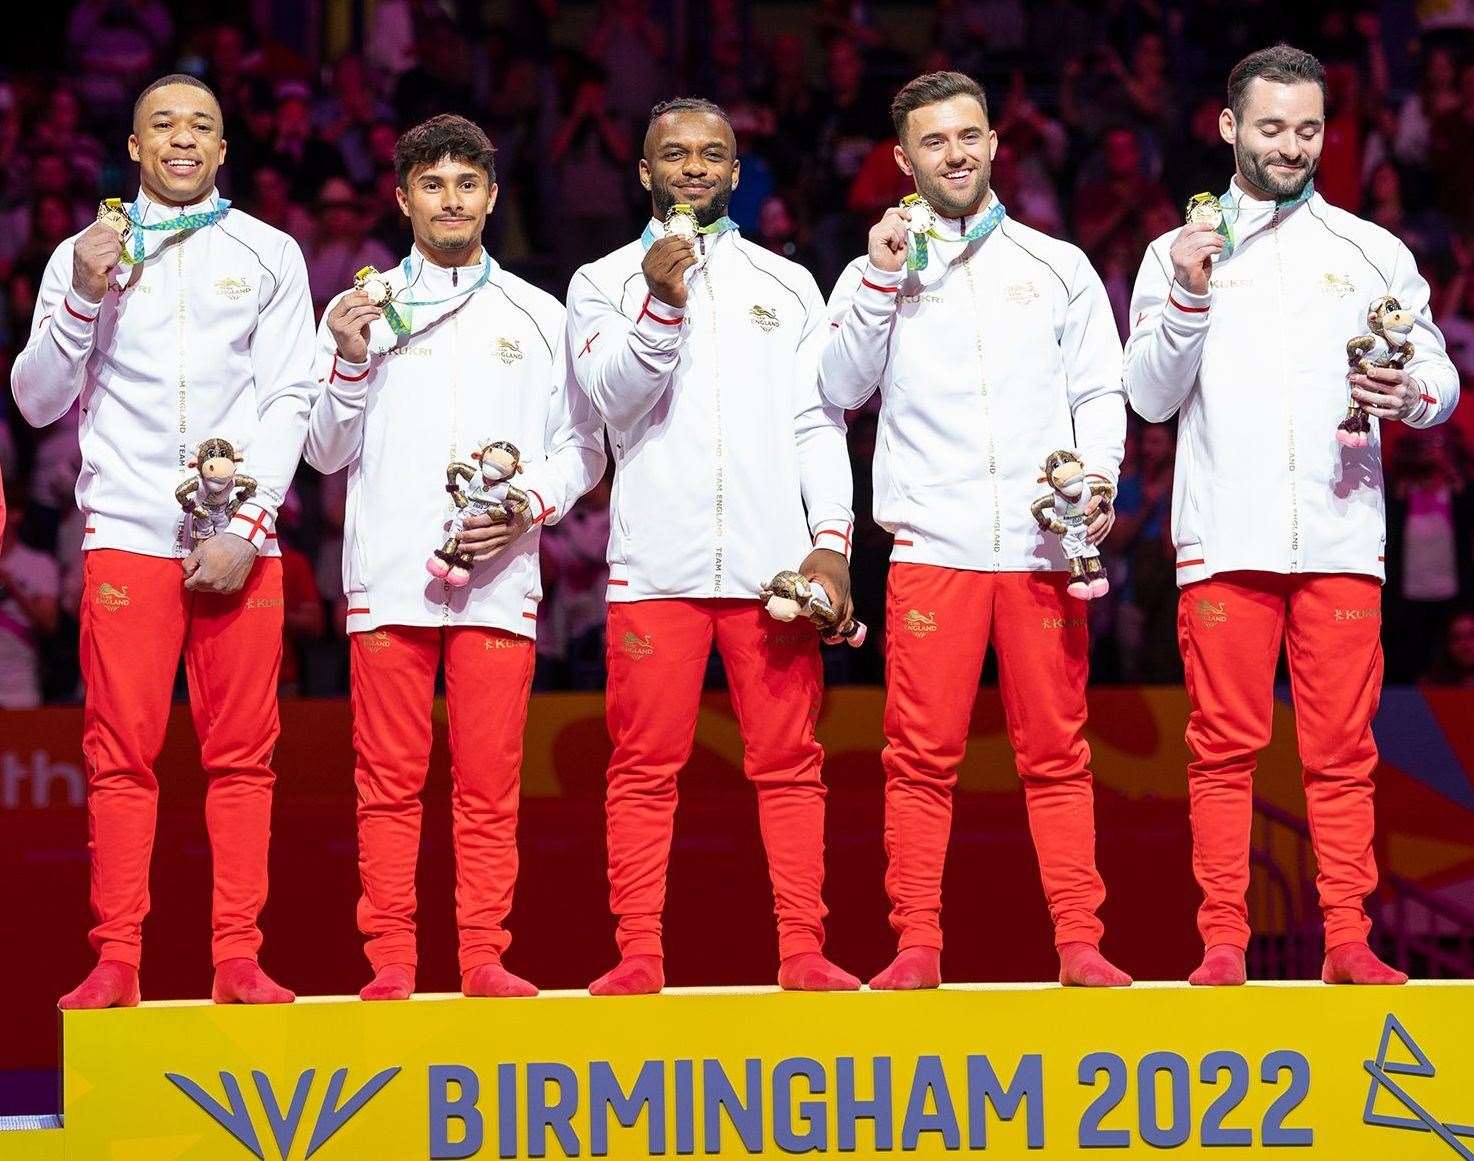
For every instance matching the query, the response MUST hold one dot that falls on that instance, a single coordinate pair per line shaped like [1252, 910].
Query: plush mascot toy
[1063, 511]
[489, 492]
[216, 491]
[789, 596]
[1384, 346]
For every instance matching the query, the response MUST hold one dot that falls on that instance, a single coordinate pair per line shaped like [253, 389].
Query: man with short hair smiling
[1240, 328]
[992, 345]
[463, 353]
[699, 350]
[198, 325]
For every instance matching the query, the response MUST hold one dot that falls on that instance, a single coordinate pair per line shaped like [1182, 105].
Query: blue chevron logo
[235, 1117]
[1418, 1119]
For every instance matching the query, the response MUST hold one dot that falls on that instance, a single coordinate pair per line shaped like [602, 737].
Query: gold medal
[111, 214]
[921, 216]
[681, 221]
[1204, 209]
[373, 284]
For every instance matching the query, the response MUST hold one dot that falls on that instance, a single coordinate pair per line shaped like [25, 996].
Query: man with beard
[1241, 332]
[463, 352]
[700, 349]
[992, 345]
[198, 326]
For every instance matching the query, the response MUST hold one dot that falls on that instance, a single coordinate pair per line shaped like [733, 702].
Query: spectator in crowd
[30, 584]
[339, 246]
[570, 631]
[1430, 548]
[1147, 617]
[592, 155]
[1452, 150]
[1455, 664]
[112, 45]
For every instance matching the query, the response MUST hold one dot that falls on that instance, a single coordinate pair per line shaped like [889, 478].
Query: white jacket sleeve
[819, 432]
[862, 311]
[1165, 348]
[1090, 349]
[335, 427]
[574, 443]
[1432, 371]
[48, 374]
[622, 366]
[281, 361]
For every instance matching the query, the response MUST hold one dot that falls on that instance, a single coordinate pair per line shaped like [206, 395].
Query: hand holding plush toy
[489, 492]
[789, 596]
[216, 491]
[1065, 511]
[1384, 346]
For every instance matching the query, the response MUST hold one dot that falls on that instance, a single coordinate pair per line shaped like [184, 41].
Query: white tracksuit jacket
[729, 466]
[210, 336]
[990, 357]
[1256, 370]
[488, 366]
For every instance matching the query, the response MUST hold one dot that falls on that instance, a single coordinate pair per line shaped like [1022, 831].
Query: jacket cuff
[539, 494]
[254, 523]
[659, 323]
[76, 319]
[1428, 408]
[1185, 310]
[349, 380]
[836, 535]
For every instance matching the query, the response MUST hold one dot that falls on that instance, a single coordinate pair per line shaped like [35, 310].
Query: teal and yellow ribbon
[173, 226]
[917, 248]
[1230, 206]
[399, 312]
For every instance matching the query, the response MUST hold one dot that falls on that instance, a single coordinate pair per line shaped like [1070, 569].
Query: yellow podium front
[1272, 1069]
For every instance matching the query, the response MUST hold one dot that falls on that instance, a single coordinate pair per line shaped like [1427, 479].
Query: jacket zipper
[184, 541]
[716, 387]
[987, 412]
[455, 427]
[1289, 397]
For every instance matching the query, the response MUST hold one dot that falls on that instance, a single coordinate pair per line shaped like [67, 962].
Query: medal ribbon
[917, 249]
[401, 321]
[183, 222]
[1229, 204]
[720, 226]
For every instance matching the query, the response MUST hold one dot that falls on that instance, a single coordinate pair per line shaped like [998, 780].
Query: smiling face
[948, 148]
[178, 143]
[447, 204]
[1278, 137]
[690, 157]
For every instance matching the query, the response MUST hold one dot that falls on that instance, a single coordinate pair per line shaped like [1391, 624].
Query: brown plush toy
[216, 491]
[1384, 346]
[490, 492]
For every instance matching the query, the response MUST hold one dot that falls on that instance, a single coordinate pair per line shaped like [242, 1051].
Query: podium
[1267, 1069]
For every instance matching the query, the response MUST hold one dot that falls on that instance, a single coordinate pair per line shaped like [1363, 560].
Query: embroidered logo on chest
[508, 351]
[233, 288]
[1021, 293]
[765, 318]
[1337, 284]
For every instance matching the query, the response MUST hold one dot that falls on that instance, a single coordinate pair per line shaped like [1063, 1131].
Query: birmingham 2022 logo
[1417, 1118]
[235, 1118]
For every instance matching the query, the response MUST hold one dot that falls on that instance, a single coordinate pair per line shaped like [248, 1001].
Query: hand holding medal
[1198, 243]
[350, 319]
[668, 259]
[99, 249]
[889, 239]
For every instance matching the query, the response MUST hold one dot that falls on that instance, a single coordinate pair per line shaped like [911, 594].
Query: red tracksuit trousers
[938, 625]
[657, 655]
[136, 617]
[1230, 628]
[488, 676]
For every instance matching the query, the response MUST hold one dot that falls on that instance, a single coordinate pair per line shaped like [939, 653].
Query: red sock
[634, 975]
[809, 971]
[1222, 967]
[491, 979]
[1356, 963]
[913, 967]
[1082, 966]
[395, 981]
[241, 981]
[111, 984]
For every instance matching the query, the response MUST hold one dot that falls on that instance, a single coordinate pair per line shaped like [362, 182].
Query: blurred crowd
[1107, 114]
